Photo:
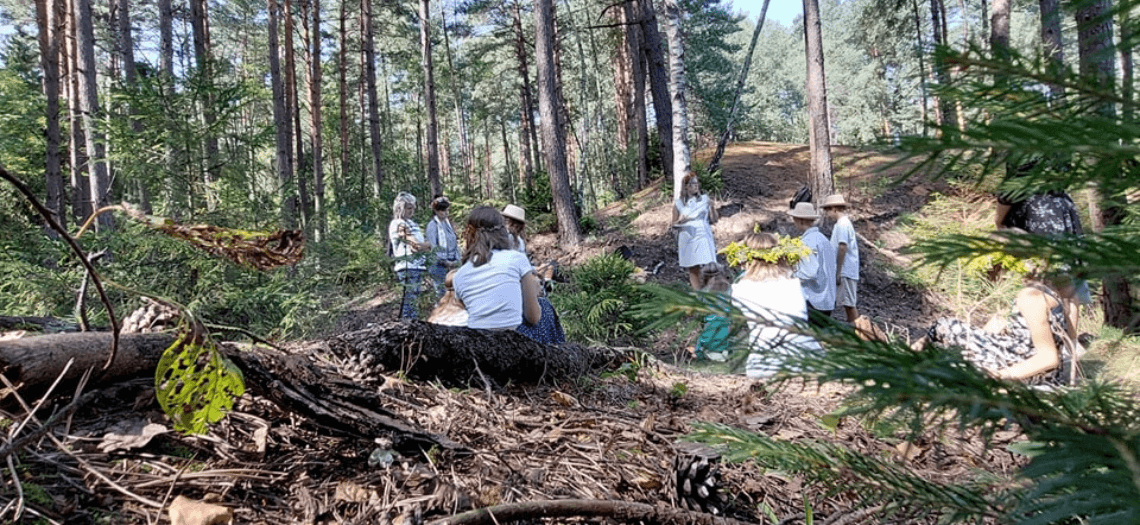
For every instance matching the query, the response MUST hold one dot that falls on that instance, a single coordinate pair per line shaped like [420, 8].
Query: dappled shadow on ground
[607, 436]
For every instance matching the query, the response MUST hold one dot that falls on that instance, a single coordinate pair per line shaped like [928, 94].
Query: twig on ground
[619, 510]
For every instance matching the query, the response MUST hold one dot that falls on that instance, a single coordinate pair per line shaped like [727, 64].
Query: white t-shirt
[401, 250]
[770, 306]
[844, 233]
[493, 292]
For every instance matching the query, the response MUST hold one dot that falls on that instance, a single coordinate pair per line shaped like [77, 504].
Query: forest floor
[608, 437]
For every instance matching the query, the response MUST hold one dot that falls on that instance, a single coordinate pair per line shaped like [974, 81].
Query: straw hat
[515, 213]
[834, 201]
[804, 210]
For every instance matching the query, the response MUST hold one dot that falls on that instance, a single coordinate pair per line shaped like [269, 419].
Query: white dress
[695, 243]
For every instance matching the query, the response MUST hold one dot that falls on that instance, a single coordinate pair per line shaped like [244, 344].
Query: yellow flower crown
[788, 249]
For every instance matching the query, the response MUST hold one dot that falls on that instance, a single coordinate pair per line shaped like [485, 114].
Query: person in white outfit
[816, 272]
[770, 298]
[407, 243]
[693, 217]
[846, 245]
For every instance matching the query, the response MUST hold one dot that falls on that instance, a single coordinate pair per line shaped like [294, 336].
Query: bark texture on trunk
[822, 182]
[680, 110]
[48, 21]
[554, 125]
[281, 123]
[460, 356]
[99, 179]
[432, 131]
[657, 69]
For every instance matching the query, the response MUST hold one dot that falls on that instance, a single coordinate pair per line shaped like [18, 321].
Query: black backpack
[803, 195]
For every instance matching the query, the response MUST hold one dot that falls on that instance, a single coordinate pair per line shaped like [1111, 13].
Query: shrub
[596, 306]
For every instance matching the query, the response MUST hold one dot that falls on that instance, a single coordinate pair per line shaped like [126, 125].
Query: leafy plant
[195, 384]
[596, 305]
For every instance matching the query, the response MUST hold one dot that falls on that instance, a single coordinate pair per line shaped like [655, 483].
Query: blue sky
[782, 10]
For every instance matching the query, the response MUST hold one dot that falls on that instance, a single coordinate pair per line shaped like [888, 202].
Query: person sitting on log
[498, 284]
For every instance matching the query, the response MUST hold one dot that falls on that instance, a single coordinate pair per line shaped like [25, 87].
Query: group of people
[488, 284]
[781, 281]
[785, 282]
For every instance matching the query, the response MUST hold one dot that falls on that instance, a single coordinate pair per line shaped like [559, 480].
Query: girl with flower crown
[770, 298]
[498, 284]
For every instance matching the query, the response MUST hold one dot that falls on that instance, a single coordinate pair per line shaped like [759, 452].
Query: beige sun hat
[834, 201]
[515, 213]
[804, 210]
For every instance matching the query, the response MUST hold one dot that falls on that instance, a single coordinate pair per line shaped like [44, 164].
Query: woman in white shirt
[406, 241]
[498, 285]
[770, 298]
[693, 215]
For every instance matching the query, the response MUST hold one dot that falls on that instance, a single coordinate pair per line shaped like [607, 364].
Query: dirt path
[759, 180]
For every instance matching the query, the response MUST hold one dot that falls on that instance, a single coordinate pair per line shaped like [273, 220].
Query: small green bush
[596, 306]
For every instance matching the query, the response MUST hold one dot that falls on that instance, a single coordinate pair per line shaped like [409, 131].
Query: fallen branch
[625, 511]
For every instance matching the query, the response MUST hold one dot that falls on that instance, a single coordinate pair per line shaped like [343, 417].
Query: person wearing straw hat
[846, 245]
[516, 225]
[816, 272]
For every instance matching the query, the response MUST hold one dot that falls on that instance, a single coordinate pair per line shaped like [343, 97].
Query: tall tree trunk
[99, 180]
[80, 187]
[1127, 76]
[634, 46]
[506, 157]
[1095, 45]
[921, 66]
[432, 130]
[369, 46]
[127, 52]
[530, 141]
[999, 28]
[714, 164]
[199, 23]
[342, 87]
[1051, 41]
[822, 182]
[293, 105]
[316, 126]
[166, 37]
[623, 79]
[681, 162]
[553, 126]
[281, 123]
[466, 143]
[654, 50]
[49, 23]
[947, 111]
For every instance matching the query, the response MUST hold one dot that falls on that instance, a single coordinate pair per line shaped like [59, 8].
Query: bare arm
[407, 238]
[532, 311]
[676, 215]
[1034, 307]
[840, 255]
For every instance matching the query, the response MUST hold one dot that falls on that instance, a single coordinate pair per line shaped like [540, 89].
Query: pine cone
[698, 483]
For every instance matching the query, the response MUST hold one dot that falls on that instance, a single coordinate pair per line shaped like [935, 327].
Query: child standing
[846, 256]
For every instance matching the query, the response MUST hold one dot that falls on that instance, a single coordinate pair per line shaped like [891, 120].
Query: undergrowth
[595, 306]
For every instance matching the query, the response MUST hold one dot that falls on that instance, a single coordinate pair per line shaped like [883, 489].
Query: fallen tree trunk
[422, 350]
[461, 356]
[34, 362]
[330, 399]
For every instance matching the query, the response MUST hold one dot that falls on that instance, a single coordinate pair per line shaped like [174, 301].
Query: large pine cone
[698, 482]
